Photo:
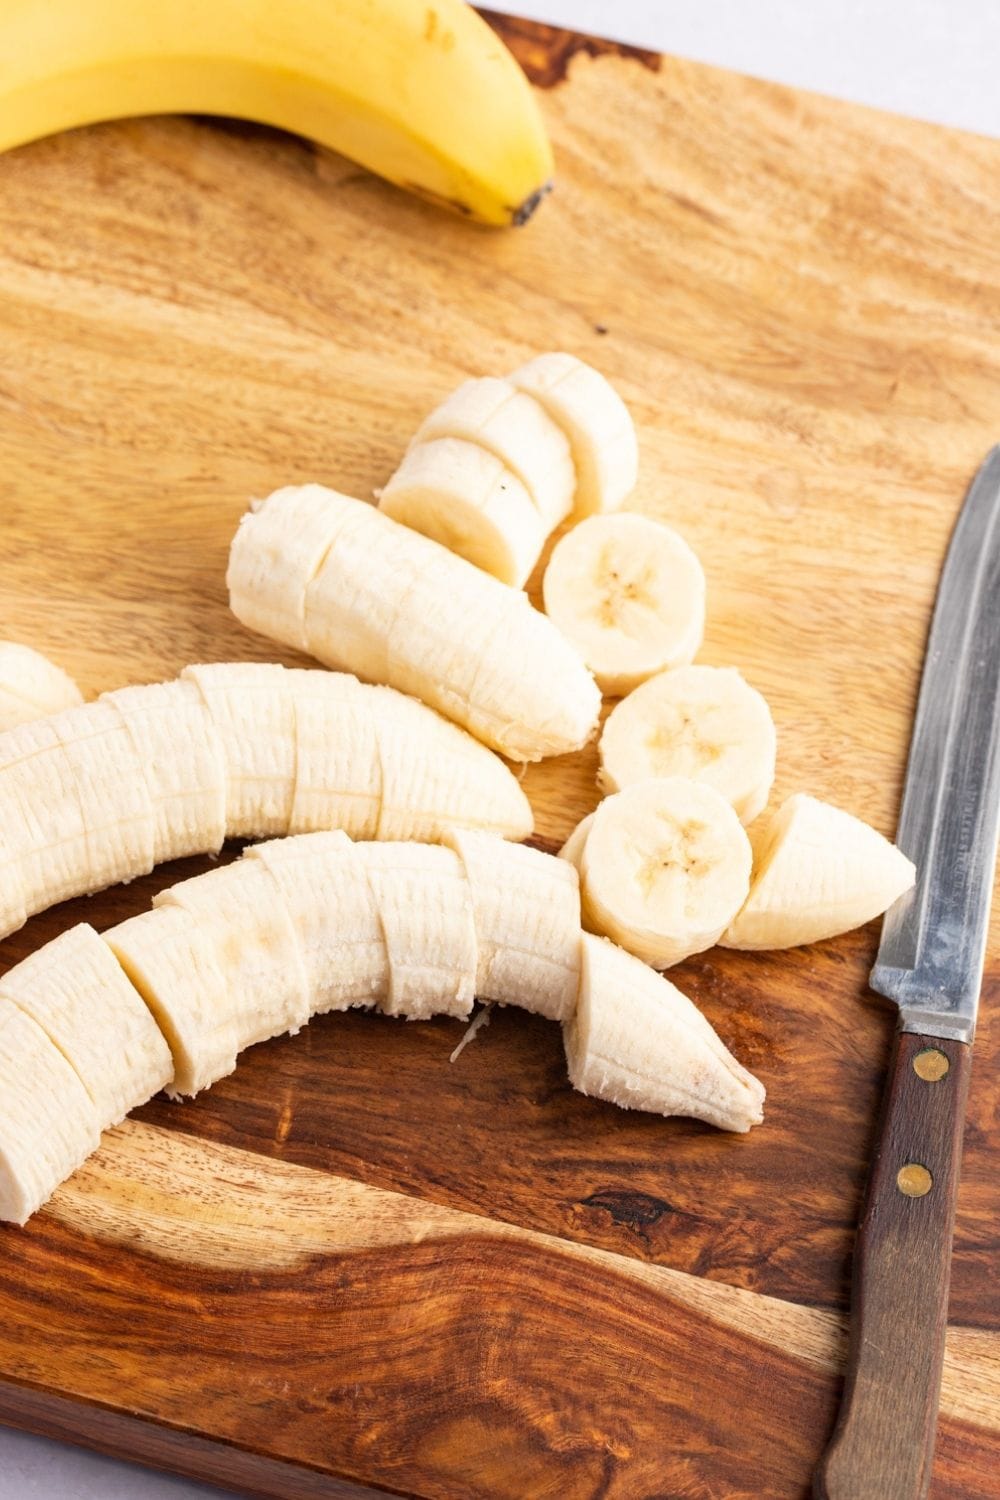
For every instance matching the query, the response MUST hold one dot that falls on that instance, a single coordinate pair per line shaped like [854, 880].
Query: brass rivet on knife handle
[931, 1065]
[914, 1180]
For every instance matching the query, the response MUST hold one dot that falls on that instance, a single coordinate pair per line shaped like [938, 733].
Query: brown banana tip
[522, 214]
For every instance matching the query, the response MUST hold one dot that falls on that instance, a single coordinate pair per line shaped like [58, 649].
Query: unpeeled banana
[31, 686]
[424, 94]
[397, 608]
[102, 792]
[316, 923]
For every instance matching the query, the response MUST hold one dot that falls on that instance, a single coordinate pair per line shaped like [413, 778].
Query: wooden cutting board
[354, 1267]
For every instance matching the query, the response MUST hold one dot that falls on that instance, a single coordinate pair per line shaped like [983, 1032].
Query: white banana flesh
[572, 850]
[462, 496]
[100, 793]
[316, 923]
[276, 552]
[629, 593]
[517, 430]
[627, 1021]
[705, 723]
[393, 605]
[77, 992]
[31, 686]
[526, 913]
[596, 421]
[664, 869]
[818, 871]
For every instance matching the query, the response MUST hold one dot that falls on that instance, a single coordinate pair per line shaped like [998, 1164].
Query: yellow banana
[420, 91]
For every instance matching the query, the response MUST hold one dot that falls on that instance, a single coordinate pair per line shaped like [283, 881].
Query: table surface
[928, 58]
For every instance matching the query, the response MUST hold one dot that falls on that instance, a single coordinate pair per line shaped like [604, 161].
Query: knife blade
[930, 964]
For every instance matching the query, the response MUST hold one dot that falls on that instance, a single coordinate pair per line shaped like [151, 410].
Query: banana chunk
[706, 723]
[77, 992]
[42, 832]
[630, 594]
[596, 421]
[338, 772]
[252, 706]
[111, 788]
[818, 872]
[425, 907]
[333, 911]
[31, 686]
[48, 1122]
[392, 604]
[572, 850]
[665, 868]
[462, 496]
[517, 430]
[526, 911]
[628, 1022]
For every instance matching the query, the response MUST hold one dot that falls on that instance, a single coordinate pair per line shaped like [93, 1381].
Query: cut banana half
[628, 1020]
[630, 595]
[31, 686]
[705, 723]
[100, 793]
[395, 605]
[572, 850]
[818, 872]
[517, 430]
[596, 421]
[462, 496]
[664, 869]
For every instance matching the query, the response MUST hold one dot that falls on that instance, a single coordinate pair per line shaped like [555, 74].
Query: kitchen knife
[930, 962]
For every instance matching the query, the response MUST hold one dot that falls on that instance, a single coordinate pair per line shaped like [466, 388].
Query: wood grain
[801, 303]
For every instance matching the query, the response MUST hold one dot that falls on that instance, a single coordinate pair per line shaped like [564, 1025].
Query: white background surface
[932, 58]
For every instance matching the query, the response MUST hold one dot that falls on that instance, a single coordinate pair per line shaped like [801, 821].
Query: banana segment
[628, 1020]
[115, 806]
[276, 553]
[706, 723]
[31, 686]
[42, 834]
[572, 850]
[338, 773]
[48, 1123]
[74, 989]
[517, 430]
[526, 911]
[595, 420]
[630, 594]
[818, 872]
[425, 907]
[463, 497]
[252, 706]
[395, 605]
[665, 868]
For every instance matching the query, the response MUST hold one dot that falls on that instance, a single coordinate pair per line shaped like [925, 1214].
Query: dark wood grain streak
[884, 1441]
[546, 52]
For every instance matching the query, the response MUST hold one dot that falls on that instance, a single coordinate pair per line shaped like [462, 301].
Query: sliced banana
[706, 723]
[42, 832]
[273, 561]
[463, 497]
[629, 1021]
[338, 775]
[48, 1122]
[630, 595]
[572, 850]
[526, 910]
[115, 805]
[335, 917]
[665, 868]
[31, 686]
[818, 872]
[425, 907]
[252, 706]
[594, 418]
[517, 430]
[77, 992]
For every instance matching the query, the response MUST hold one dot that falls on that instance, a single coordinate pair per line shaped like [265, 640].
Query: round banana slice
[31, 686]
[818, 872]
[706, 723]
[517, 430]
[665, 869]
[630, 595]
[463, 497]
[572, 850]
[594, 418]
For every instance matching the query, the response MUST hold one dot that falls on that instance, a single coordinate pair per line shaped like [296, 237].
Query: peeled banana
[102, 792]
[424, 94]
[817, 872]
[630, 595]
[398, 608]
[314, 923]
[31, 686]
[706, 723]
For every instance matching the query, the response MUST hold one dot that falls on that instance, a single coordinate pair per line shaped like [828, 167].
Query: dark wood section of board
[800, 301]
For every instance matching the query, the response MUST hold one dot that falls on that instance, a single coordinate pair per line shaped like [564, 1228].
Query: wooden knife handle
[883, 1443]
